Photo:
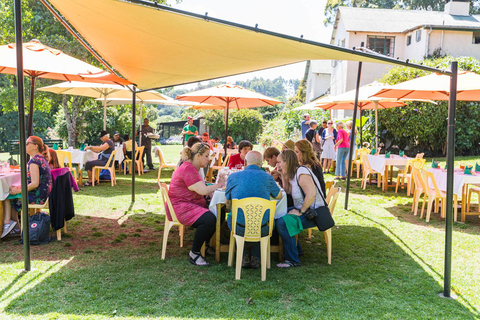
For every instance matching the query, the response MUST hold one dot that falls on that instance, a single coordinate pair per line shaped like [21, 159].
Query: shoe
[197, 260]
[15, 233]
[7, 228]
[343, 178]
[255, 263]
[152, 168]
[288, 264]
[337, 178]
[246, 261]
[209, 250]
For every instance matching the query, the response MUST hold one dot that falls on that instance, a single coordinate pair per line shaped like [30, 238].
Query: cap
[205, 134]
[102, 133]
[188, 118]
[289, 144]
[115, 132]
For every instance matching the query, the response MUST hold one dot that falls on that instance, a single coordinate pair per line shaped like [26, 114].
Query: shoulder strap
[318, 189]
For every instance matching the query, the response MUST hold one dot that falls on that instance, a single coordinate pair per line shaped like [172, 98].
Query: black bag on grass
[39, 226]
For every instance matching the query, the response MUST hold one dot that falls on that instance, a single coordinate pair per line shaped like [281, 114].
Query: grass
[386, 263]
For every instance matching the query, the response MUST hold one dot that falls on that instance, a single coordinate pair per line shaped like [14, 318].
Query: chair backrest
[330, 192]
[428, 176]
[365, 162]
[333, 199]
[254, 210]
[161, 157]
[225, 162]
[418, 163]
[329, 184]
[166, 201]
[364, 152]
[139, 152]
[111, 160]
[417, 177]
[61, 155]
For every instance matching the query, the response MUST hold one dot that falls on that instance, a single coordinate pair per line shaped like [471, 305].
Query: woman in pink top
[186, 193]
[342, 147]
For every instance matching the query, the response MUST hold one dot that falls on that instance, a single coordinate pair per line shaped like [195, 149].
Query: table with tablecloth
[381, 164]
[218, 200]
[460, 184]
[6, 181]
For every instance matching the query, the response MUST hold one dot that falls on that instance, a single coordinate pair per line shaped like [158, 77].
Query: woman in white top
[295, 180]
[329, 135]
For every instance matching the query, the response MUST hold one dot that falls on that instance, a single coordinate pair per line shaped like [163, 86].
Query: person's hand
[275, 174]
[218, 185]
[295, 212]
[87, 148]
[267, 169]
[15, 190]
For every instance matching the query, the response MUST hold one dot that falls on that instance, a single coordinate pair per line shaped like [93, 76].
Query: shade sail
[158, 47]
[435, 87]
[41, 61]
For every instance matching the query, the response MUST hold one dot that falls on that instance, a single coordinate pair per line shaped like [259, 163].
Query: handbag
[323, 218]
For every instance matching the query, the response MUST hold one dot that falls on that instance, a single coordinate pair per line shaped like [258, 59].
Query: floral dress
[40, 194]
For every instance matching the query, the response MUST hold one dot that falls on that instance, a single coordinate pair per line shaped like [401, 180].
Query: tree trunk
[71, 117]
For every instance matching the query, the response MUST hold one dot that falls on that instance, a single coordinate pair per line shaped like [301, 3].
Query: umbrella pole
[376, 125]
[141, 122]
[104, 112]
[21, 129]
[450, 164]
[30, 113]
[352, 134]
[134, 107]
[226, 129]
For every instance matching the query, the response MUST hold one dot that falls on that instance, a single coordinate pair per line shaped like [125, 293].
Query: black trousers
[205, 226]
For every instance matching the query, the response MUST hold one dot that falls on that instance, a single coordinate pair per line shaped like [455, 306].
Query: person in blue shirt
[251, 182]
[305, 124]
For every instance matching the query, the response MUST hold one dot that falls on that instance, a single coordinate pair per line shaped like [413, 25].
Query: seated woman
[186, 193]
[237, 161]
[230, 143]
[304, 189]
[307, 157]
[105, 149]
[53, 159]
[39, 185]
[127, 146]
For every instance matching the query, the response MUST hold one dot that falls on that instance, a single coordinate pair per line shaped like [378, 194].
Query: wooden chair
[328, 187]
[110, 166]
[358, 159]
[219, 166]
[35, 208]
[435, 195]
[474, 189]
[163, 164]
[368, 172]
[169, 223]
[138, 161]
[407, 174]
[61, 155]
[335, 192]
[254, 210]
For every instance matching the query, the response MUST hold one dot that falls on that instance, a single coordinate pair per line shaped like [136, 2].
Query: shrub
[244, 124]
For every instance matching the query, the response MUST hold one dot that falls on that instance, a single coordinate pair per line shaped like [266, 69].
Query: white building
[403, 34]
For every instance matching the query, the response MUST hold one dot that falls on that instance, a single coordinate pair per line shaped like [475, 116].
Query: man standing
[251, 182]
[189, 130]
[324, 126]
[312, 136]
[305, 124]
[144, 130]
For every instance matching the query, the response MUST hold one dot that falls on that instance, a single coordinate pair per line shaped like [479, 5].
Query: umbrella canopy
[103, 92]
[227, 96]
[435, 87]
[41, 61]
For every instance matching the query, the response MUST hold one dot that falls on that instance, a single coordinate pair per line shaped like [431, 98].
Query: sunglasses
[330, 123]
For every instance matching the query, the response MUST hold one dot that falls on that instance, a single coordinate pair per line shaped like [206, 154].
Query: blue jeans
[290, 248]
[341, 169]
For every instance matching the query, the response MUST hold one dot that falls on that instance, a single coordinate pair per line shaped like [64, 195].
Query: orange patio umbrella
[226, 96]
[41, 61]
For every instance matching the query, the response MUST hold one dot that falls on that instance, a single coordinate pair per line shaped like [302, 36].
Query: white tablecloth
[459, 179]
[379, 162]
[6, 181]
[219, 197]
[82, 157]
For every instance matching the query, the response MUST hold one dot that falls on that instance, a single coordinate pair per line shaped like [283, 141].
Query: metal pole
[30, 113]
[352, 134]
[104, 112]
[134, 107]
[450, 164]
[361, 128]
[21, 129]
[376, 125]
[226, 128]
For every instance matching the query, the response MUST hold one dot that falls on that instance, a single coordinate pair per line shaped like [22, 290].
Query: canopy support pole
[376, 125]
[21, 129]
[226, 128]
[352, 134]
[30, 113]
[104, 112]
[141, 123]
[134, 111]
[450, 167]
[361, 128]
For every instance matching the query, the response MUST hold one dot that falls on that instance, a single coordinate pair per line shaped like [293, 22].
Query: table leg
[80, 178]
[385, 179]
[464, 202]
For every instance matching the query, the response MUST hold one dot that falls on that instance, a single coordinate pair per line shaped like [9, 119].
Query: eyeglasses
[329, 122]
[29, 142]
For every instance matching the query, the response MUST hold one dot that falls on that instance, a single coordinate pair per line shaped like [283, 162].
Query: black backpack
[39, 229]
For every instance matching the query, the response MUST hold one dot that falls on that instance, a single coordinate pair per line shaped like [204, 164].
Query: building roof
[402, 21]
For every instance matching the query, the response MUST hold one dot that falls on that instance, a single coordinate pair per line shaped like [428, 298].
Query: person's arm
[308, 186]
[286, 184]
[34, 180]
[279, 195]
[202, 189]
[100, 148]
[317, 138]
[340, 140]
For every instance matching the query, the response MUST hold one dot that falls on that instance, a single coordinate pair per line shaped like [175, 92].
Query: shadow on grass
[370, 277]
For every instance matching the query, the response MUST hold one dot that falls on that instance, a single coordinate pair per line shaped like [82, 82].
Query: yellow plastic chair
[358, 159]
[254, 210]
[61, 155]
[474, 189]
[138, 161]
[368, 172]
[420, 188]
[407, 174]
[163, 164]
[435, 195]
[335, 192]
[35, 208]
[169, 224]
[110, 166]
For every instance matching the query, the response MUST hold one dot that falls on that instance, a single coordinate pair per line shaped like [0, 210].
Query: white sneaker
[7, 228]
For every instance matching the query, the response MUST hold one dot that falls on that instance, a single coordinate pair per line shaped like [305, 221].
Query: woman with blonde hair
[186, 192]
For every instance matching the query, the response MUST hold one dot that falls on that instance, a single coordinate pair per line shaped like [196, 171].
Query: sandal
[288, 264]
[209, 250]
[87, 184]
[193, 260]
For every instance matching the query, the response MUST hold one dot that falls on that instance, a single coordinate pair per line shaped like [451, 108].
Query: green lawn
[386, 263]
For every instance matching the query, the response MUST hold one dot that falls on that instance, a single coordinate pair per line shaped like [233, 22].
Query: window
[409, 40]
[418, 35]
[476, 38]
[382, 45]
